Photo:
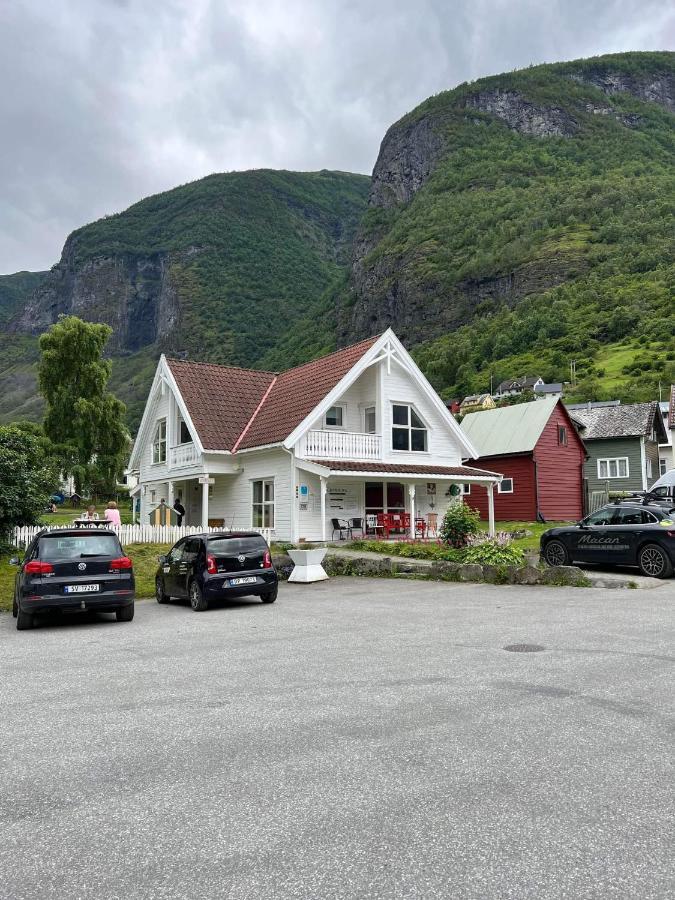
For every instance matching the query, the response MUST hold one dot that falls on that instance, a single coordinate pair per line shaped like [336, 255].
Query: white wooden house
[355, 433]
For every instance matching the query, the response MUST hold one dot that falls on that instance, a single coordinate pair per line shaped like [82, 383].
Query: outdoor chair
[341, 527]
[355, 525]
[372, 525]
[432, 524]
[420, 527]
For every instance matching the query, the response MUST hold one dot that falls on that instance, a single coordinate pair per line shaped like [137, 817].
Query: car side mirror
[161, 560]
[15, 561]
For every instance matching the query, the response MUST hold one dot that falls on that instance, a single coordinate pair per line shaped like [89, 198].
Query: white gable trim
[389, 348]
[163, 379]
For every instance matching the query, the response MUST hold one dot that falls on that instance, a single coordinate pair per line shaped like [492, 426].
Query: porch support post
[411, 494]
[324, 488]
[169, 494]
[491, 509]
[205, 503]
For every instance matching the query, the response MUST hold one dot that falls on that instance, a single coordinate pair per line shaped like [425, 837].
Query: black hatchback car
[218, 565]
[622, 534]
[73, 569]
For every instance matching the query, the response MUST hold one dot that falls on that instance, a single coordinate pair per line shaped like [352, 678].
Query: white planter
[308, 566]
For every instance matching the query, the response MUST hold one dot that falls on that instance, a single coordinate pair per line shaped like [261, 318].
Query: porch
[339, 499]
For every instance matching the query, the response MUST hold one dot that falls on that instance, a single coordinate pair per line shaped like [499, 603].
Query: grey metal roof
[631, 420]
[554, 388]
[511, 429]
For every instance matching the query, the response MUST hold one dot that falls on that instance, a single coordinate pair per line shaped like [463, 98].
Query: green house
[623, 445]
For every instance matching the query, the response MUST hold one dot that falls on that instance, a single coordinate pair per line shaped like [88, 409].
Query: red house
[537, 449]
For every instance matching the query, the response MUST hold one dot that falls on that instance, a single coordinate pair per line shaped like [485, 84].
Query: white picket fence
[135, 534]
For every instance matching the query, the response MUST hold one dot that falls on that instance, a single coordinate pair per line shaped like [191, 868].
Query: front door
[174, 561]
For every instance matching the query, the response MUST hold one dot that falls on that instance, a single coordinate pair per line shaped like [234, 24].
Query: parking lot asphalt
[359, 738]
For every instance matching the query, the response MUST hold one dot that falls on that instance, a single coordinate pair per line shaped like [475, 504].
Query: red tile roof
[244, 408]
[343, 465]
[220, 399]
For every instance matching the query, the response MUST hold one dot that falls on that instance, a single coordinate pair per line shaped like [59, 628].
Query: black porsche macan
[622, 534]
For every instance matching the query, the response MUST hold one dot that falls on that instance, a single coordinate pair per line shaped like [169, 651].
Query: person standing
[180, 512]
[112, 514]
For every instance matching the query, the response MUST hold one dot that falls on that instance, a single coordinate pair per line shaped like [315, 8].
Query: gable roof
[632, 420]
[525, 381]
[235, 408]
[220, 399]
[296, 392]
[511, 429]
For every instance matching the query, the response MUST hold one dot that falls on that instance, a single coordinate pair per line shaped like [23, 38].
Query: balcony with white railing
[342, 445]
[183, 455]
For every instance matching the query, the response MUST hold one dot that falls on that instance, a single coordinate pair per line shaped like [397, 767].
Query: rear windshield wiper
[87, 555]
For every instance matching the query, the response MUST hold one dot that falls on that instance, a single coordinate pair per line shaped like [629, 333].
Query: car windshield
[54, 547]
[235, 546]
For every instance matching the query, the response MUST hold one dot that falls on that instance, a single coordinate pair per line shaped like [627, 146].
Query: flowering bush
[493, 551]
[459, 522]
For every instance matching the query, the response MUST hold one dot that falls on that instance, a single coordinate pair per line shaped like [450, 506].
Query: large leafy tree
[28, 475]
[82, 416]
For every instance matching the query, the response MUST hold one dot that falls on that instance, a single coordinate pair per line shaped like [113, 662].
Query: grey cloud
[106, 102]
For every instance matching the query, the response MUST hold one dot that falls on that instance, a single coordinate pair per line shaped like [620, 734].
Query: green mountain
[511, 226]
[523, 221]
[15, 291]
[221, 269]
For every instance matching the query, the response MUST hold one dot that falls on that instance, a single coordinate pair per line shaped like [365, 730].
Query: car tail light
[267, 560]
[123, 562]
[211, 566]
[35, 567]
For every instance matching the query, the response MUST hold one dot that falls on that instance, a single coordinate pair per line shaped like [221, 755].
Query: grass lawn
[65, 513]
[144, 557]
[530, 542]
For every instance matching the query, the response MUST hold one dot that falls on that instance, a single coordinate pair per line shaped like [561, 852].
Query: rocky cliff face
[393, 285]
[133, 294]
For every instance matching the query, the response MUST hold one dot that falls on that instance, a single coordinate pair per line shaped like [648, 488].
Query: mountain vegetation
[512, 226]
[542, 234]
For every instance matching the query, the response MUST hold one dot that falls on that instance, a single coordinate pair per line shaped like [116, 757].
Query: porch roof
[408, 470]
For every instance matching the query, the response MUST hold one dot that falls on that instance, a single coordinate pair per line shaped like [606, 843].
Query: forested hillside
[526, 220]
[220, 269]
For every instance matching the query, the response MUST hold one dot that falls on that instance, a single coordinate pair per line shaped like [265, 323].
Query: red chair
[420, 527]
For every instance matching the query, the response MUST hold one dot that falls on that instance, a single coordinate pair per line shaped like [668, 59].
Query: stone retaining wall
[388, 567]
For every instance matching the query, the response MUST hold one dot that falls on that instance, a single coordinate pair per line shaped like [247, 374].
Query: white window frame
[343, 415]
[410, 428]
[649, 467]
[663, 466]
[159, 442]
[562, 432]
[180, 421]
[263, 503]
[502, 490]
[607, 461]
[366, 409]
[466, 489]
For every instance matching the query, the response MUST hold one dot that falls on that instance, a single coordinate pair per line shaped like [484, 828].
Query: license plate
[250, 580]
[81, 588]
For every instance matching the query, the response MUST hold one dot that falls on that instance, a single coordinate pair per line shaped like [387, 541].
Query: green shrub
[493, 552]
[459, 522]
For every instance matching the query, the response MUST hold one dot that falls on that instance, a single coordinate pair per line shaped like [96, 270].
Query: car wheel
[653, 561]
[125, 614]
[159, 592]
[197, 601]
[270, 596]
[24, 621]
[555, 554]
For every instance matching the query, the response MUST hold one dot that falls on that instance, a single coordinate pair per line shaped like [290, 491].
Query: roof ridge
[255, 413]
[194, 362]
[311, 362]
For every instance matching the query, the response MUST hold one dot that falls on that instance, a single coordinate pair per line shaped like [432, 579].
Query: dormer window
[408, 430]
[335, 417]
[159, 443]
[184, 436]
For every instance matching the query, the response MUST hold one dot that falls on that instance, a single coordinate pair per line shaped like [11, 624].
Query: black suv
[625, 534]
[73, 569]
[214, 566]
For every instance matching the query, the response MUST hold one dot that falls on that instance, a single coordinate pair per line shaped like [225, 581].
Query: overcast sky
[106, 101]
